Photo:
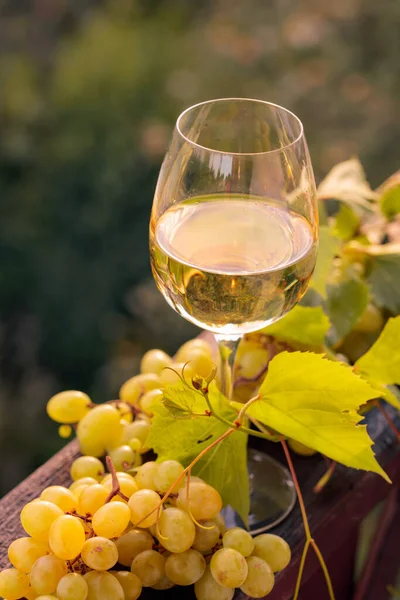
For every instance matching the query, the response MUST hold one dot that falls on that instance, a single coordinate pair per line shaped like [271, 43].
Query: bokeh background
[89, 92]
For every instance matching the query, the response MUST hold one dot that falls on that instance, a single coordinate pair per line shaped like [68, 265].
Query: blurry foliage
[89, 94]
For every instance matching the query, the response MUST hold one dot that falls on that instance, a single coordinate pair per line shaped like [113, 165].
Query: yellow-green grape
[130, 583]
[38, 516]
[120, 475]
[61, 496]
[207, 588]
[150, 399]
[300, 448]
[128, 486]
[135, 444]
[260, 578]
[138, 429]
[68, 407]
[24, 552]
[84, 481]
[220, 521]
[185, 352]
[133, 389]
[229, 568]
[251, 358]
[99, 553]
[164, 584]
[32, 595]
[125, 411]
[103, 586]
[149, 566]
[177, 530]
[201, 362]
[154, 361]
[46, 597]
[46, 573]
[185, 568]
[204, 501]
[66, 537]
[65, 431]
[273, 549]
[123, 457]
[92, 498]
[72, 587]
[174, 373]
[13, 584]
[166, 474]
[87, 466]
[99, 429]
[131, 544]
[370, 321]
[143, 505]
[111, 520]
[206, 536]
[239, 539]
[146, 474]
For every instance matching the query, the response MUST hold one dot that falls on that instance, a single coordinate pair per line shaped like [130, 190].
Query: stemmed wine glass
[233, 239]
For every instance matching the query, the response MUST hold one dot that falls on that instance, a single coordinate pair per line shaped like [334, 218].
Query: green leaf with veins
[345, 304]
[381, 364]
[225, 466]
[315, 401]
[303, 325]
[327, 250]
[384, 281]
[347, 182]
[182, 402]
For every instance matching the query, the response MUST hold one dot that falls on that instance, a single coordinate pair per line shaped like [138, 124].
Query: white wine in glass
[234, 232]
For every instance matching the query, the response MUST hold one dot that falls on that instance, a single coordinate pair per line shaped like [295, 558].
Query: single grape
[66, 537]
[120, 475]
[177, 530]
[149, 566]
[87, 466]
[123, 457]
[204, 501]
[80, 482]
[24, 552]
[201, 362]
[143, 505]
[46, 573]
[65, 431]
[138, 429]
[38, 516]
[13, 584]
[184, 353]
[166, 474]
[68, 407]
[251, 359]
[220, 521]
[260, 578]
[185, 568]
[92, 498]
[125, 411]
[174, 373]
[72, 587]
[99, 429]
[132, 390]
[128, 486]
[164, 584]
[111, 520]
[131, 544]
[32, 595]
[238, 539]
[61, 496]
[229, 568]
[145, 477]
[273, 549]
[370, 321]
[154, 361]
[99, 553]
[206, 536]
[150, 399]
[208, 589]
[135, 444]
[130, 583]
[103, 586]
[300, 448]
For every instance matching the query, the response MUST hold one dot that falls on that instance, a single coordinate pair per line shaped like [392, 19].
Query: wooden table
[335, 516]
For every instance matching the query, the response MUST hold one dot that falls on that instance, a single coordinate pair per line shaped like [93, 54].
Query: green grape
[66, 537]
[252, 358]
[103, 586]
[72, 587]
[260, 578]
[92, 498]
[135, 444]
[61, 496]
[120, 475]
[24, 552]
[143, 504]
[128, 486]
[273, 549]
[133, 389]
[201, 362]
[37, 517]
[131, 544]
[138, 429]
[125, 411]
[149, 566]
[184, 353]
[177, 530]
[185, 568]
[13, 584]
[370, 321]
[208, 589]
[204, 501]
[130, 583]
[220, 521]
[65, 431]
[80, 482]
[154, 361]
[166, 474]
[123, 457]
[238, 539]
[99, 553]
[68, 407]
[164, 584]
[46, 573]
[87, 466]
[145, 477]
[206, 536]
[149, 399]
[173, 374]
[111, 520]
[99, 429]
[300, 448]
[229, 568]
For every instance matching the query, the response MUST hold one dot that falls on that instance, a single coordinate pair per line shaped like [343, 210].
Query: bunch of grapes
[108, 536]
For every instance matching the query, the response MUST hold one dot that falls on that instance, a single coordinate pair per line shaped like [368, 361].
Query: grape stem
[325, 477]
[116, 488]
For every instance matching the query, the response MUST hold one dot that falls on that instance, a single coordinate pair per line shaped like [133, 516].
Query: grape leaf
[225, 466]
[384, 280]
[381, 364]
[182, 402]
[314, 401]
[345, 304]
[390, 198]
[327, 250]
[346, 222]
[302, 325]
[346, 182]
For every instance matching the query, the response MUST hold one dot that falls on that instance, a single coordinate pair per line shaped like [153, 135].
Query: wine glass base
[272, 494]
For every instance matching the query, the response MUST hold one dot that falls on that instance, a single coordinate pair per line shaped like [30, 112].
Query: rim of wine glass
[282, 108]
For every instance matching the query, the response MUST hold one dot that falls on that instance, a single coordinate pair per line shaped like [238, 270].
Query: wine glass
[233, 240]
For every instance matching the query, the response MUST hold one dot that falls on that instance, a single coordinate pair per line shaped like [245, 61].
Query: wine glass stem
[227, 350]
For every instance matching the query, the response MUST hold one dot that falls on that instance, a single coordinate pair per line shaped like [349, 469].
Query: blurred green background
[89, 92]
